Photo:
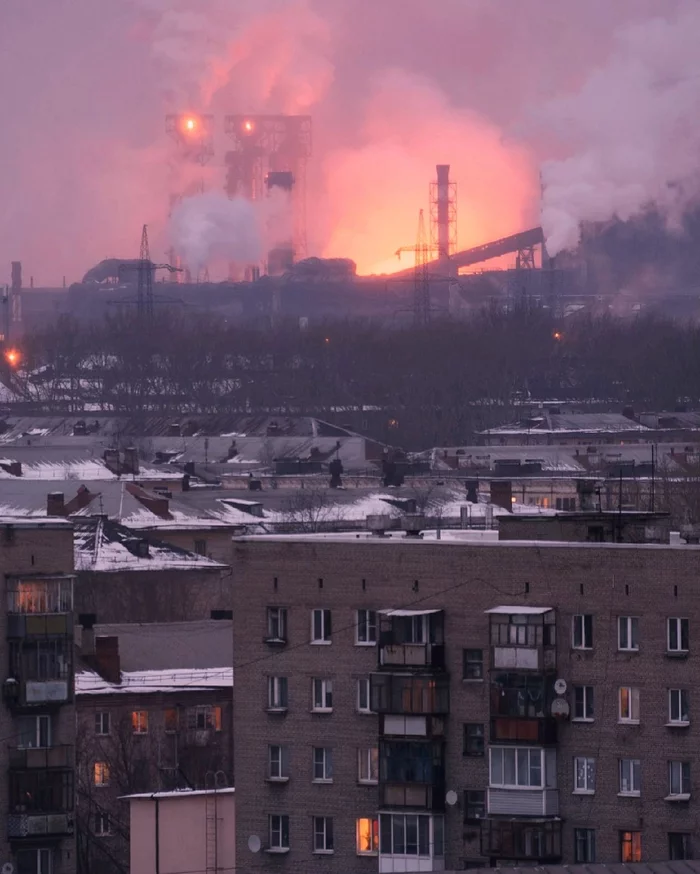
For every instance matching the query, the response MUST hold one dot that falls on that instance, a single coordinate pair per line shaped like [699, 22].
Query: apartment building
[414, 704]
[37, 719]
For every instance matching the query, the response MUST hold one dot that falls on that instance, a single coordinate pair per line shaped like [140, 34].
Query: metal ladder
[214, 782]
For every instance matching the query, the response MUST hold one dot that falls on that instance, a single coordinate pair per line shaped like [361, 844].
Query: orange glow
[557, 335]
[12, 357]
[190, 124]
[248, 126]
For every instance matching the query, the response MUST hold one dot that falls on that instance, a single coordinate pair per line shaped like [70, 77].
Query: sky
[591, 99]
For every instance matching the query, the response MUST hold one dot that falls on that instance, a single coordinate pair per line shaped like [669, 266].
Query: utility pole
[422, 306]
[144, 300]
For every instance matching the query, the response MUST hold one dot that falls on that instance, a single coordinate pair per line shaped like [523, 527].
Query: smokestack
[443, 211]
[16, 276]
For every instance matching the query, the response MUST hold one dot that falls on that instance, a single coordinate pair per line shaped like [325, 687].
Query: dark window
[472, 664]
[474, 805]
[679, 846]
[584, 845]
[474, 739]
[677, 635]
[200, 547]
[582, 631]
[583, 702]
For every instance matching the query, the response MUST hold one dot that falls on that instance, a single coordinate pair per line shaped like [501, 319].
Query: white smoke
[209, 227]
[630, 135]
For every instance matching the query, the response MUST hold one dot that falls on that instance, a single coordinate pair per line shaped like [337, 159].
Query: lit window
[630, 776]
[367, 836]
[628, 633]
[139, 721]
[102, 722]
[677, 640]
[322, 695]
[628, 704]
[584, 775]
[678, 711]
[630, 846]
[679, 779]
[582, 631]
[366, 628]
[320, 626]
[101, 774]
[322, 765]
[583, 703]
[171, 720]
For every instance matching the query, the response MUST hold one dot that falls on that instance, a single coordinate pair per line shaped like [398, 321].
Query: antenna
[144, 300]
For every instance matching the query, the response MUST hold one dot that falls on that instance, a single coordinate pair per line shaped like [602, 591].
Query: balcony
[413, 795]
[522, 802]
[412, 774]
[521, 707]
[412, 655]
[411, 639]
[28, 758]
[39, 606]
[507, 729]
[410, 695]
[33, 693]
[39, 625]
[523, 638]
[391, 725]
[40, 802]
[521, 840]
[31, 826]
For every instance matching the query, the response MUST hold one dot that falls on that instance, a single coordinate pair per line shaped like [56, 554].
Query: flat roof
[35, 522]
[180, 793]
[529, 611]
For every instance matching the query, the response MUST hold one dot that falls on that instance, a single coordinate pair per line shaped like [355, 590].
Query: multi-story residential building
[37, 720]
[154, 713]
[408, 703]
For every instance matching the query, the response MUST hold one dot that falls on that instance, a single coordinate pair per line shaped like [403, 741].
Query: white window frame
[374, 833]
[634, 707]
[676, 622]
[102, 818]
[366, 625]
[578, 622]
[582, 767]
[368, 766]
[275, 831]
[276, 700]
[518, 752]
[36, 730]
[432, 841]
[364, 697]
[321, 695]
[676, 698]
[277, 763]
[139, 722]
[588, 693]
[325, 627]
[682, 775]
[322, 765]
[280, 620]
[323, 835]
[630, 777]
[628, 627]
[102, 717]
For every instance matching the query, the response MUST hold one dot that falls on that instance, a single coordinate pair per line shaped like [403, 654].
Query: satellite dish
[560, 707]
[8, 868]
[254, 844]
[560, 687]
[451, 798]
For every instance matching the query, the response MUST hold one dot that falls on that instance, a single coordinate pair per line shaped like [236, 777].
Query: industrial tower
[443, 217]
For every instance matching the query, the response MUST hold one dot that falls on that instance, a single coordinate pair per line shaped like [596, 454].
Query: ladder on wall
[215, 781]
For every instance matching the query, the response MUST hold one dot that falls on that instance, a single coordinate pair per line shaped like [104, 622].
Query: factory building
[414, 704]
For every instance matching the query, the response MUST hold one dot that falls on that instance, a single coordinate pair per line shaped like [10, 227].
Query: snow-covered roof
[147, 682]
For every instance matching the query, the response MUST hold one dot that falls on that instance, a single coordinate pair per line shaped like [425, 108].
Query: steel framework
[194, 135]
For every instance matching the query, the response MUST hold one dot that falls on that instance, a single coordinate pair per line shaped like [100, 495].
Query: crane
[421, 294]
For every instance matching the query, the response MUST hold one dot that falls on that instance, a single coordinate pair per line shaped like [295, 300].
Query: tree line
[410, 386]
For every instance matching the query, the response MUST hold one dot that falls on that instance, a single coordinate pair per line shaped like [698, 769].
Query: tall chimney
[443, 211]
[55, 504]
[107, 659]
[87, 640]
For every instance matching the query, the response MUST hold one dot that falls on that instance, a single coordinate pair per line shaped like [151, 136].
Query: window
[582, 631]
[679, 779]
[584, 845]
[630, 776]
[101, 774]
[38, 861]
[205, 717]
[474, 805]
[322, 692]
[411, 835]
[34, 732]
[513, 767]
[171, 720]
[366, 628]
[472, 664]
[278, 827]
[629, 704]
[103, 826]
[677, 635]
[630, 846]
[628, 633]
[277, 693]
[367, 836]
[139, 721]
[583, 703]
[363, 696]
[584, 775]
[323, 765]
[368, 765]
[277, 623]
[40, 596]
[323, 834]
[679, 846]
[473, 739]
[320, 626]
[200, 547]
[277, 762]
[678, 712]
[102, 722]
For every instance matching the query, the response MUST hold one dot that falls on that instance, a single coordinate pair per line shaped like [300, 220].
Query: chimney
[82, 498]
[443, 211]
[502, 494]
[87, 644]
[107, 661]
[131, 460]
[16, 276]
[14, 468]
[55, 504]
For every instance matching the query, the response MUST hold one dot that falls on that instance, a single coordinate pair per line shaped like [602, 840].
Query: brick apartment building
[405, 704]
[37, 719]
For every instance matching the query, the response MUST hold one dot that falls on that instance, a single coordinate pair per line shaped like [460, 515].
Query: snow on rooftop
[145, 682]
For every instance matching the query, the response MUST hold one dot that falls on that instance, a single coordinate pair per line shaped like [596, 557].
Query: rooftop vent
[413, 524]
[379, 524]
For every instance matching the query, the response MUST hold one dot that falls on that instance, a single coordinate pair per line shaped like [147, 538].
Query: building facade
[405, 704]
[37, 719]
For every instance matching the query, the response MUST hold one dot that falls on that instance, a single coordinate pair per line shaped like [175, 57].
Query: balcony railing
[522, 802]
[421, 796]
[30, 826]
[23, 625]
[534, 730]
[29, 693]
[521, 840]
[26, 758]
[410, 695]
[412, 655]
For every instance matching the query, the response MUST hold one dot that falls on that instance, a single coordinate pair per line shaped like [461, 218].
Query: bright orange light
[12, 356]
[248, 126]
[557, 335]
[190, 124]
